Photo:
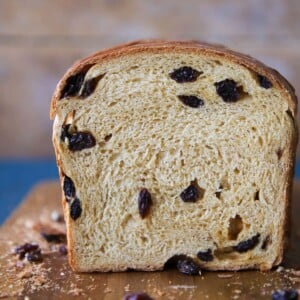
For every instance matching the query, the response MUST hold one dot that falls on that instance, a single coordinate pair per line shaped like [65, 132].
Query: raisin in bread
[174, 149]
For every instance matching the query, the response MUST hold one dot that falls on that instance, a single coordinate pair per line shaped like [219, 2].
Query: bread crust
[193, 47]
[286, 226]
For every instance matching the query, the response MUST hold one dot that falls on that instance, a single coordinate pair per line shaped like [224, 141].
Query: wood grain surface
[39, 40]
[53, 279]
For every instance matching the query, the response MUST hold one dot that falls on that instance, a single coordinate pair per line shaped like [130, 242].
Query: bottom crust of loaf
[159, 267]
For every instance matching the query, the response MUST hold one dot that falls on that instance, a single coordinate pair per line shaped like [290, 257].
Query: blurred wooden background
[39, 40]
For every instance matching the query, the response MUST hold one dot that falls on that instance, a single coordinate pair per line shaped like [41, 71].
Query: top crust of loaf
[159, 46]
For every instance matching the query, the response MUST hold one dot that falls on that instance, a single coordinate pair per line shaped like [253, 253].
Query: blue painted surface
[16, 179]
[297, 171]
[18, 176]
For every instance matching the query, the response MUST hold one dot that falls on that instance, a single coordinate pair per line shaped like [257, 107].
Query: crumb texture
[212, 147]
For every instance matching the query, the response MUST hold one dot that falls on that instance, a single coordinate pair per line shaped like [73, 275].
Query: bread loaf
[174, 151]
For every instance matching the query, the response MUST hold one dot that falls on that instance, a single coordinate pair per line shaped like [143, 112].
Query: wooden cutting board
[53, 279]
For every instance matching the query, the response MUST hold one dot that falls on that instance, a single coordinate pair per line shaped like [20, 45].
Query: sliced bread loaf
[174, 151]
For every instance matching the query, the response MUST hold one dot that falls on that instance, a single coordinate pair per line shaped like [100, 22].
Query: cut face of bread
[170, 149]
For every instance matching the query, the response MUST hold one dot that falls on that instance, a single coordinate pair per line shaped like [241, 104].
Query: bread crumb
[237, 283]
[76, 292]
[295, 272]
[183, 286]
[225, 275]
[280, 269]
[25, 274]
[56, 216]
[91, 287]
[127, 288]
[19, 264]
[107, 290]
[158, 291]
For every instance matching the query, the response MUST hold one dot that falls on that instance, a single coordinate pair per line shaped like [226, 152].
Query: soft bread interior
[237, 153]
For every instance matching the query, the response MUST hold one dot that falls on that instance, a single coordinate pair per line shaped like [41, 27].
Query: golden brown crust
[157, 46]
[288, 196]
[217, 51]
[72, 260]
[159, 267]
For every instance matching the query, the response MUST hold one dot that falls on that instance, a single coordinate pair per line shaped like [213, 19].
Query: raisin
[54, 238]
[77, 140]
[90, 85]
[188, 267]
[144, 202]
[266, 243]
[244, 246]
[192, 101]
[75, 210]
[23, 249]
[81, 140]
[65, 132]
[73, 85]
[137, 296]
[34, 256]
[227, 89]
[264, 81]
[30, 251]
[205, 255]
[190, 194]
[172, 261]
[69, 188]
[63, 250]
[290, 294]
[185, 74]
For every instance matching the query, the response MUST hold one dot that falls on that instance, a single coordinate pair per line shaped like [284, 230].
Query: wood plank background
[39, 40]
